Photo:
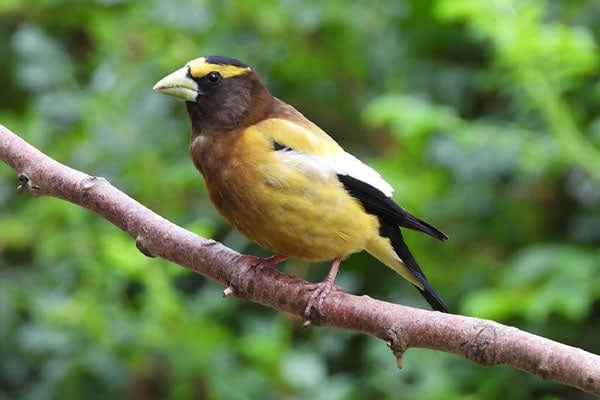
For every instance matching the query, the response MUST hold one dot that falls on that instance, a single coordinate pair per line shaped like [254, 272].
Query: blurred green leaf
[303, 370]
[409, 117]
[539, 281]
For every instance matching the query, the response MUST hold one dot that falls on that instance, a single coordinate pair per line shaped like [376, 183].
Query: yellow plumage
[282, 202]
[283, 182]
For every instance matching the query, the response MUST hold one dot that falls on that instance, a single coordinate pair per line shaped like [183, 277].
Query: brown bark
[482, 341]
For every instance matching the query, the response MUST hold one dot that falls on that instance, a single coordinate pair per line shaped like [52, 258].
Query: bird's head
[221, 93]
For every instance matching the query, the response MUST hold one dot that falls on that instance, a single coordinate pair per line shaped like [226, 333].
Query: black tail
[393, 233]
[391, 216]
[432, 298]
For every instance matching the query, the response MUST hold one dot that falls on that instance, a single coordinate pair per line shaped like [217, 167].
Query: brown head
[221, 94]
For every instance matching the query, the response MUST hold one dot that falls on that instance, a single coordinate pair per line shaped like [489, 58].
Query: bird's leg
[253, 262]
[321, 291]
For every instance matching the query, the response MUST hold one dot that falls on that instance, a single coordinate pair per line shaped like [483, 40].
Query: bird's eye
[213, 77]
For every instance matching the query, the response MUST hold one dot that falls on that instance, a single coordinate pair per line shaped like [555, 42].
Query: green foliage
[482, 115]
[537, 279]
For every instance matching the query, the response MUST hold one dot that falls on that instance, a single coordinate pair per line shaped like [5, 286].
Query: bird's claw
[320, 292]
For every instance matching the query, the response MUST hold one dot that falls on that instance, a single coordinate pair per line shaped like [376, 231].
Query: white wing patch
[323, 167]
[309, 164]
[331, 158]
[347, 164]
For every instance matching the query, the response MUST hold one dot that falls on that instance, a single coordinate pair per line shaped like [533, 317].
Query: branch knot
[395, 338]
[482, 349]
[88, 183]
[26, 185]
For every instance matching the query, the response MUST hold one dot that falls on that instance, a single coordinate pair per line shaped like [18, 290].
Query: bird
[284, 183]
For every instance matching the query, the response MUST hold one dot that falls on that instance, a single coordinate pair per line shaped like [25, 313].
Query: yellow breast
[284, 203]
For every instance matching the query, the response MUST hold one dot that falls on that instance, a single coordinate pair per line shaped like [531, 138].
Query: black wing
[391, 216]
[377, 203]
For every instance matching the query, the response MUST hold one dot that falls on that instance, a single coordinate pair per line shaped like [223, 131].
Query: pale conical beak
[179, 85]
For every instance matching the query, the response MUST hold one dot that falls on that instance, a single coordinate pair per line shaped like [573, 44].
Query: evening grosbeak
[283, 182]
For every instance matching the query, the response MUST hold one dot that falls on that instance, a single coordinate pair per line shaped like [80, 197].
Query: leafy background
[483, 115]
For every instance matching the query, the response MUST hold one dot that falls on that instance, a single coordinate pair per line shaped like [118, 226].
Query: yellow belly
[310, 221]
[284, 201]
[289, 210]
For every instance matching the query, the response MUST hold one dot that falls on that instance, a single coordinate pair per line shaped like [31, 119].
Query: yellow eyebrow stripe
[199, 68]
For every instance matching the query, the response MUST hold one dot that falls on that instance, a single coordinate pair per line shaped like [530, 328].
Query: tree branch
[481, 341]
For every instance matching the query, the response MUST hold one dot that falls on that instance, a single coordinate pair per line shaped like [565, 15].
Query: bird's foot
[320, 293]
[252, 262]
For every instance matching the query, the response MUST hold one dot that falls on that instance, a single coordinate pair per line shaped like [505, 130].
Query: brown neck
[240, 102]
[262, 105]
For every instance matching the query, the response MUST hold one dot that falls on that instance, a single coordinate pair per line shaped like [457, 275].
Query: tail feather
[433, 299]
[391, 217]
[395, 236]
